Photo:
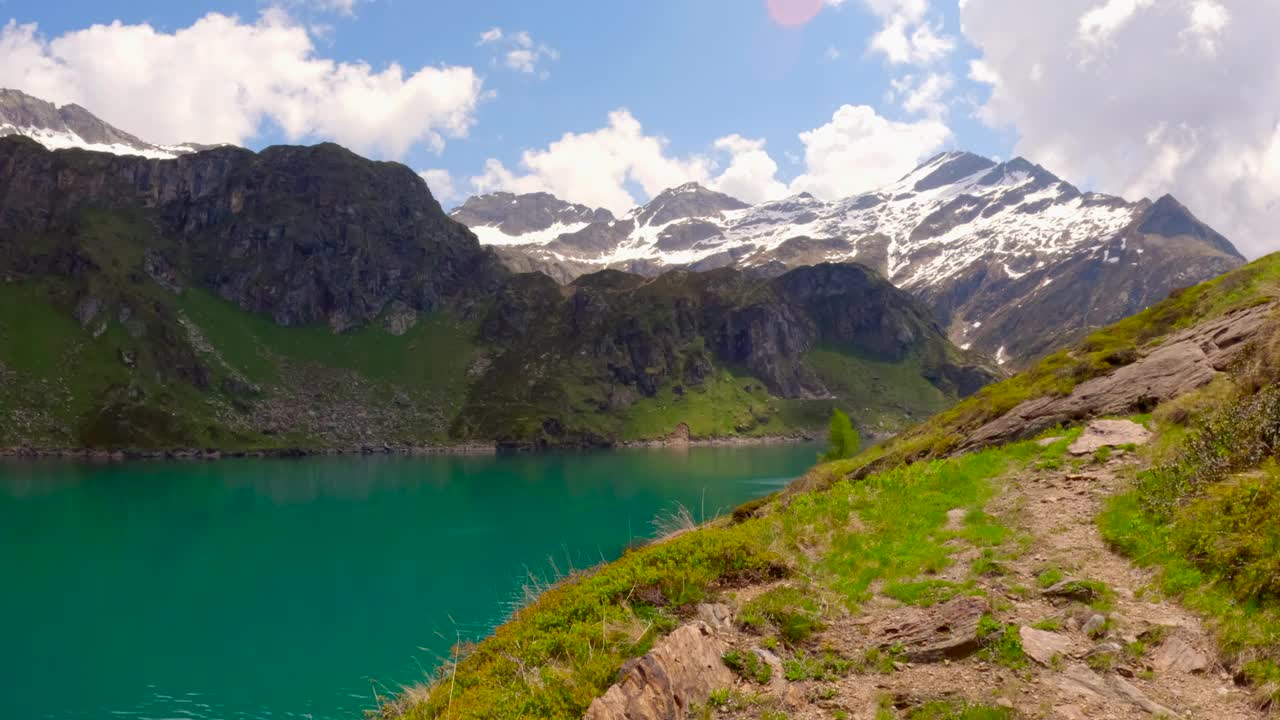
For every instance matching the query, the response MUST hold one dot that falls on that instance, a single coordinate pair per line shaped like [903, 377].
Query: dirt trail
[1151, 658]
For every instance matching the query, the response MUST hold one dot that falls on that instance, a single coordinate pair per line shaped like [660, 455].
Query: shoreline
[457, 450]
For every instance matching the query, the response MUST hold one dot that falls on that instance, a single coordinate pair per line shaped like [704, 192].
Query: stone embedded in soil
[944, 632]
[1072, 590]
[683, 668]
[1094, 624]
[716, 615]
[1109, 433]
[1043, 646]
[1176, 655]
[1081, 682]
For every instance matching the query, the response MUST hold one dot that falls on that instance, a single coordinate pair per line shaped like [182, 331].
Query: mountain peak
[73, 126]
[690, 200]
[530, 212]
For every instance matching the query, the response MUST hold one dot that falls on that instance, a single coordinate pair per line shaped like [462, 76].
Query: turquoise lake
[300, 588]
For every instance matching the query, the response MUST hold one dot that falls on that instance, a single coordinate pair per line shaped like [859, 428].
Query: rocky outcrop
[1109, 433]
[682, 669]
[304, 235]
[1184, 361]
[612, 336]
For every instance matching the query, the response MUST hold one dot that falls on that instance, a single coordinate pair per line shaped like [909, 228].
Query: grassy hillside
[906, 525]
[154, 369]
[1100, 353]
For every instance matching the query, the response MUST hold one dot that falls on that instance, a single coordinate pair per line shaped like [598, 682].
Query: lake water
[299, 588]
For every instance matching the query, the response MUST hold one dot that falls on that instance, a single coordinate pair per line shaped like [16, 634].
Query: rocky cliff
[304, 296]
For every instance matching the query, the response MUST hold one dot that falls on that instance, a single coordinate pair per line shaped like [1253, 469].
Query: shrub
[842, 439]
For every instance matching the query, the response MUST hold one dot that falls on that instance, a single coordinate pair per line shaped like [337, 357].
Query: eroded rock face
[1185, 361]
[683, 668]
[304, 235]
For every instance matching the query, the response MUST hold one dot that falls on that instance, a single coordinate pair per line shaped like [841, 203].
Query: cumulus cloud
[221, 79]
[907, 36]
[752, 175]
[595, 168]
[858, 150]
[440, 182]
[1182, 99]
[518, 51]
[924, 95]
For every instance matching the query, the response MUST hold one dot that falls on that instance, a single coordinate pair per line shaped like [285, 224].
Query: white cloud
[832, 53]
[595, 168]
[923, 95]
[1208, 20]
[518, 51]
[752, 175]
[1165, 112]
[1103, 21]
[860, 150]
[221, 78]
[440, 182]
[906, 36]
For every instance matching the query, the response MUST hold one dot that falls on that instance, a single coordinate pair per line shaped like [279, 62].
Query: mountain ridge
[306, 297]
[979, 240]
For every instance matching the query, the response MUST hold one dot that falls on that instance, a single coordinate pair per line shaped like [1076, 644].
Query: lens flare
[792, 13]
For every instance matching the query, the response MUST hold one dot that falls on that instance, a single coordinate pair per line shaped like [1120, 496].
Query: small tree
[842, 439]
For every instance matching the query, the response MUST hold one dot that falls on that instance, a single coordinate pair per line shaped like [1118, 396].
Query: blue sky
[759, 98]
[690, 72]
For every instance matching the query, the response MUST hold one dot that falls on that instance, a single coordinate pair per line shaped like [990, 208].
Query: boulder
[682, 669]
[1177, 655]
[1043, 646]
[944, 632]
[1109, 433]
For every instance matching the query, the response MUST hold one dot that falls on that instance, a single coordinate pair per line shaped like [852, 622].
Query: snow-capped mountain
[1014, 260]
[71, 126]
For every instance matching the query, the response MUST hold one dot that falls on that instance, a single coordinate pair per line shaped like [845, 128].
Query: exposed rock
[944, 632]
[1185, 361]
[1072, 590]
[717, 616]
[1082, 682]
[400, 318]
[683, 668]
[1094, 624]
[1109, 433]
[1043, 646]
[1176, 655]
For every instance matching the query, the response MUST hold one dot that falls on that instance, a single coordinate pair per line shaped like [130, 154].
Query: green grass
[557, 654]
[1208, 519]
[795, 613]
[1059, 373]
[748, 666]
[926, 593]
[958, 710]
[893, 525]
[1001, 643]
[726, 404]
[433, 355]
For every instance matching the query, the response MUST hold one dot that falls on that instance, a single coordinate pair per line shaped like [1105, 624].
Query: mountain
[71, 126]
[1014, 261]
[305, 297]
